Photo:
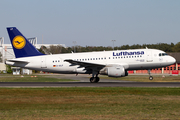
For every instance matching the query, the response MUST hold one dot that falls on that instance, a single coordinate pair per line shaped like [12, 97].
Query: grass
[89, 103]
[145, 78]
[29, 78]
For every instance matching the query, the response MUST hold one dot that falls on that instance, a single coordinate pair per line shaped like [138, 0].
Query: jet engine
[115, 71]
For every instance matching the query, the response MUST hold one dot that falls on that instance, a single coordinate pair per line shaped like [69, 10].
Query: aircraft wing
[85, 64]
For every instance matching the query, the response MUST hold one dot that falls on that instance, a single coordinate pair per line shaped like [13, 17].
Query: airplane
[114, 63]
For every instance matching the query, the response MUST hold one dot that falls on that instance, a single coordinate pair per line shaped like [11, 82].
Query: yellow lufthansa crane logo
[19, 42]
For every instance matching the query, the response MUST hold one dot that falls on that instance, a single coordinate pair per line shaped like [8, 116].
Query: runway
[86, 84]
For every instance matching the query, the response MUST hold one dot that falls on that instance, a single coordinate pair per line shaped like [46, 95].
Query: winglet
[21, 46]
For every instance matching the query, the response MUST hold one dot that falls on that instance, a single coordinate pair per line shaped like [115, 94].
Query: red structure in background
[165, 70]
[175, 72]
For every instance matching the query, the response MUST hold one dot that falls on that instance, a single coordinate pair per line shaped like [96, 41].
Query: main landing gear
[94, 79]
[150, 77]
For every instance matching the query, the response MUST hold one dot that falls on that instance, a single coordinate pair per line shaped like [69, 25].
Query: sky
[93, 22]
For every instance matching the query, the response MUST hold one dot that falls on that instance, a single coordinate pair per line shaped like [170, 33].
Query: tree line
[59, 49]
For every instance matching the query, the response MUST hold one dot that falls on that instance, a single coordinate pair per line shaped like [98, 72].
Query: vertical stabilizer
[21, 46]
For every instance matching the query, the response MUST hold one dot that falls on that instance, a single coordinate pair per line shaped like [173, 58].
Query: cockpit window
[163, 54]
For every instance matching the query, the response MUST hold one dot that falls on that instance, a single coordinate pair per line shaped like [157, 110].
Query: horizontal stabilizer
[20, 61]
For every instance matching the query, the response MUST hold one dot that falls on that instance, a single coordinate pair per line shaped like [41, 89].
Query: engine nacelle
[115, 71]
[118, 71]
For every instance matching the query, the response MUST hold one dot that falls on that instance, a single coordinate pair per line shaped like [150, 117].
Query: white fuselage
[130, 59]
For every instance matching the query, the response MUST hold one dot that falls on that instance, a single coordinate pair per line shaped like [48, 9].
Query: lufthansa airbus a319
[112, 63]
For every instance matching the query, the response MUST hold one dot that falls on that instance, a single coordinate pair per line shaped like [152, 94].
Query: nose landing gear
[150, 77]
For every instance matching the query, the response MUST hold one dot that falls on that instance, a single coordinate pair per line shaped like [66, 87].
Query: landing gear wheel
[97, 79]
[94, 79]
[150, 77]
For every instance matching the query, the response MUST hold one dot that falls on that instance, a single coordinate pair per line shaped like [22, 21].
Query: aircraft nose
[173, 60]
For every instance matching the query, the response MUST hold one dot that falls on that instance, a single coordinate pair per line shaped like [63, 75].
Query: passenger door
[149, 57]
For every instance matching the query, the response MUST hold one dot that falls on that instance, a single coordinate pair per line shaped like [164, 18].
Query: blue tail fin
[21, 46]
